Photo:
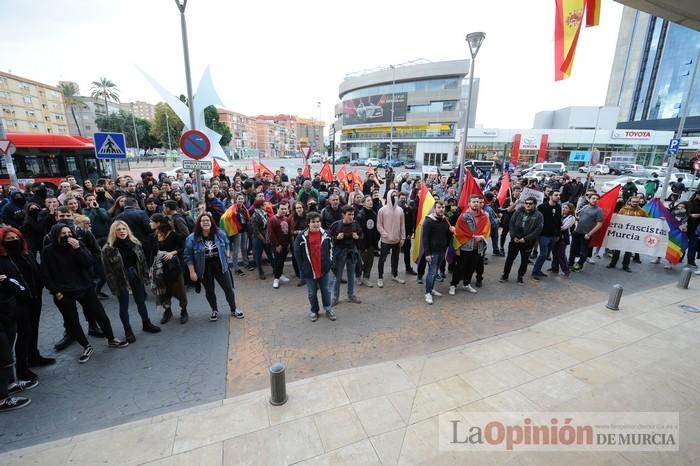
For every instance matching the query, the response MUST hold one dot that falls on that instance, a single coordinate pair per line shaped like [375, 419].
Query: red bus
[49, 158]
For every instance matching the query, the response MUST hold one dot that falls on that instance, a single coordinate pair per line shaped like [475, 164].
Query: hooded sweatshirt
[390, 221]
[13, 212]
[64, 268]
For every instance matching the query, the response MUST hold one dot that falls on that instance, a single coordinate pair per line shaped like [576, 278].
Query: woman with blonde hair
[125, 267]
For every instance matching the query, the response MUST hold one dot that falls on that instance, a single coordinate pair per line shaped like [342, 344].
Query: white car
[599, 169]
[446, 165]
[368, 112]
[541, 175]
[372, 162]
[639, 181]
[660, 170]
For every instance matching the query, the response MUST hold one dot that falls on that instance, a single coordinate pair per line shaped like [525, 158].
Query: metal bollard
[684, 279]
[614, 298]
[278, 385]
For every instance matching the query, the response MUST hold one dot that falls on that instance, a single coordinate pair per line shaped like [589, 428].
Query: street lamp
[474, 40]
[136, 134]
[393, 97]
[167, 126]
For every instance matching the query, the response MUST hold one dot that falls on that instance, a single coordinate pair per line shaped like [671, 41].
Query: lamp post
[167, 127]
[136, 134]
[474, 39]
[393, 97]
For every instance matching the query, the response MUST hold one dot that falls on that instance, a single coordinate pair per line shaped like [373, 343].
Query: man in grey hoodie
[392, 233]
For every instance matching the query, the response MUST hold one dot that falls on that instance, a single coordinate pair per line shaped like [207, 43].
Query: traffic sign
[5, 146]
[306, 150]
[195, 144]
[197, 164]
[673, 146]
[110, 146]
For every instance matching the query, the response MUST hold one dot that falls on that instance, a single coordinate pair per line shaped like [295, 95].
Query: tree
[105, 89]
[70, 97]
[122, 123]
[159, 128]
[211, 119]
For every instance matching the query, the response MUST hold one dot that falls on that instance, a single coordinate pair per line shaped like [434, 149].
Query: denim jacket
[194, 251]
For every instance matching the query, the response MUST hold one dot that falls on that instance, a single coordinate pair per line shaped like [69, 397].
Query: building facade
[310, 131]
[244, 141]
[407, 112]
[140, 109]
[277, 135]
[651, 73]
[31, 107]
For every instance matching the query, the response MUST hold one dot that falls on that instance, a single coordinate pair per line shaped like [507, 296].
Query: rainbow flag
[677, 240]
[426, 201]
[229, 221]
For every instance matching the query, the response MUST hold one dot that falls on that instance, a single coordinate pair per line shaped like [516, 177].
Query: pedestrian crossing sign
[110, 145]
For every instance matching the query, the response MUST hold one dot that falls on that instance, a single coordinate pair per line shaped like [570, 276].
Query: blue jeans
[312, 287]
[340, 262]
[240, 241]
[546, 243]
[139, 291]
[432, 270]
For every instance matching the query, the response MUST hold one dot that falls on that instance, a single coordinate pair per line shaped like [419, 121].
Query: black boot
[184, 317]
[149, 327]
[64, 343]
[167, 315]
[95, 331]
[129, 335]
[39, 361]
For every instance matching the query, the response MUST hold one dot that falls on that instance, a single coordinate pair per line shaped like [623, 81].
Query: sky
[271, 57]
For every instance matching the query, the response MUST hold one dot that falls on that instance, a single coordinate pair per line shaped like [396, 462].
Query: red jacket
[279, 231]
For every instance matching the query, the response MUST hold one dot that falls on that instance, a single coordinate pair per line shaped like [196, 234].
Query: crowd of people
[131, 234]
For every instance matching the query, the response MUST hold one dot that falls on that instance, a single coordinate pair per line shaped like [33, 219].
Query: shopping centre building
[413, 113]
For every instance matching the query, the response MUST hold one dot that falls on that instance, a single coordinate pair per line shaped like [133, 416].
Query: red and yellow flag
[592, 12]
[426, 201]
[567, 26]
[307, 171]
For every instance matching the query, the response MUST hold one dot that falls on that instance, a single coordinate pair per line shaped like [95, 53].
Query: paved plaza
[641, 358]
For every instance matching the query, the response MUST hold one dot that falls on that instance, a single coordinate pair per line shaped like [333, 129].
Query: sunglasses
[529, 203]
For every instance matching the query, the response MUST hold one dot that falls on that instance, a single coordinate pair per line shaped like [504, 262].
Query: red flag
[356, 178]
[307, 171]
[470, 187]
[607, 202]
[504, 189]
[341, 175]
[326, 172]
[216, 169]
[259, 169]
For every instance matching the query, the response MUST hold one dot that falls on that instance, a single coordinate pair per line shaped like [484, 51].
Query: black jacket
[64, 268]
[526, 225]
[436, 235]
[330, 216]
[370, 235]
[138, 222]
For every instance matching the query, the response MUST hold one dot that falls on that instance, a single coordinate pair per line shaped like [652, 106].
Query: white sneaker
[590, 260]
[399, 280]
[429, 298]
[452, 291]
[436, 293]
[668, 267]
[284, 279]
[469, 288]
[367, 283]
[697, 272]
[380, 283]
[276, 283]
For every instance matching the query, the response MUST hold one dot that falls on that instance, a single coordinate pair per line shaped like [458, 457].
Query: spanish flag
[567, 26]
[592, 12]
[425, 205]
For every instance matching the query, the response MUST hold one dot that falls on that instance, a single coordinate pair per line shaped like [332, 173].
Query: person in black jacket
[409, 218]
[33, 230]
[139, 224]
[367, 218]
[525, 225]
[331, 213]
[436, 237]
[313, 249]
[66, 265]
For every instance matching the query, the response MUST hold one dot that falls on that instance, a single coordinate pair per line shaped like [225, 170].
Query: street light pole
[167, 127]
[474, 40]
[181, 5]
[681, 123]
[136, 134]
[393, 96]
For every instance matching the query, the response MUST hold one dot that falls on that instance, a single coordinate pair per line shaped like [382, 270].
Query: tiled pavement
[641, 358]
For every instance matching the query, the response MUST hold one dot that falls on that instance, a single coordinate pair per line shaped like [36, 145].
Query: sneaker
[539, 274]
[440, 277]
[656, 261]
[380, 282]
[609, 266]
[102, 296]
[577, 267]
[469, 289]
[240, 272]
[238, 314]
[411, 272]
[627, 269]
[452, 291]
[419, 280]
[96, 332]
[503, 279]
[520, 281]
[115, 343]
[536, 277]
[330, 314]
[399, 280]
[313, 316]
[214, 316]
[250, 268]
[184, 317]
[85, 356]
[667, 267]
[276, 283]
[284, 279]
[429, 298]
[14, 402]
[436, 293]
[353, 299]
[367, 283]
[692, 266]
[590, 260]
[22, 385]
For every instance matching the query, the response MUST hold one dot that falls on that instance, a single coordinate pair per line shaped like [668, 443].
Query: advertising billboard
[374, 109]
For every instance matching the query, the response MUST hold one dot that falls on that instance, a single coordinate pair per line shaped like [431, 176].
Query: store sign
[579, 156]
[690, 143]
[489, 133]
[631, 134]
[530, 142]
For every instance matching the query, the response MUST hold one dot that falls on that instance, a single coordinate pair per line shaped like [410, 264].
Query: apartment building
[310, 130]
[31, 107]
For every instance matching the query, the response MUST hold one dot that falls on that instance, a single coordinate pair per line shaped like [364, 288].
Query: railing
[398, 135]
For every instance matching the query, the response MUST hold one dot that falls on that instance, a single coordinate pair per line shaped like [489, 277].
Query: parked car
[599, 169]
[446, 165]
[315, 159]
[342, 158]
[372, 162]
[480, 164]
[639, 181]
[358, 162]
[390, 163]
[410, 165]
[659, 170]
[541, 175]
[635, 170]
[556, 167]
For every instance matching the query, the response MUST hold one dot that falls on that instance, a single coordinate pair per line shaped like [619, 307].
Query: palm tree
[70, 97]
[105, 89]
